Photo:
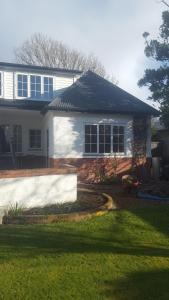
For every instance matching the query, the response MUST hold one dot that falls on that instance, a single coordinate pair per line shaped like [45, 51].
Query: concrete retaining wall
[32, 188]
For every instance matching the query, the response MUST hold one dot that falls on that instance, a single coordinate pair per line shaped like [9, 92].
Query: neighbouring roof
[23, 104]
[39, 69]
[93, 94]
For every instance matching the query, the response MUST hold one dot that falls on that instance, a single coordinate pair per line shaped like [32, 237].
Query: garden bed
[89, 203]
[155, 190]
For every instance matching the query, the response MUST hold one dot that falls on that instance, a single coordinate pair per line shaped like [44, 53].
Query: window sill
[35, 149]
[104, 154]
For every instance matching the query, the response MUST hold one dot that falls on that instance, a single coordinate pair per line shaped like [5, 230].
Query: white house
[51, 117]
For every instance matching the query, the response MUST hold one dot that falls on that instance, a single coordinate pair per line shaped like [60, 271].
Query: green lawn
[121, 255]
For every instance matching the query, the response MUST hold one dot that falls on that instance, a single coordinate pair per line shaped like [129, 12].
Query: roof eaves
[16, 66]
[98, 111]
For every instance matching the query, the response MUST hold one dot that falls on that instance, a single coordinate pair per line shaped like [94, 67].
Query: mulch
[123, 200]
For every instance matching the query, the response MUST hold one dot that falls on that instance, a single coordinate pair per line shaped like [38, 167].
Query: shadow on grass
[139, 285]
[113, 238]
[145, 209]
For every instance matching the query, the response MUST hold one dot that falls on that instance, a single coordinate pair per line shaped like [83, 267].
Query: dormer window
[35, 86]
[39, 87]
[22, 85]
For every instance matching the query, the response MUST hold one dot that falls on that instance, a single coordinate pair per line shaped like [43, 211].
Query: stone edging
[47, 219]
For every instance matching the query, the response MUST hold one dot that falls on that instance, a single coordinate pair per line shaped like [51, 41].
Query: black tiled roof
[92, 93]
[23, 104]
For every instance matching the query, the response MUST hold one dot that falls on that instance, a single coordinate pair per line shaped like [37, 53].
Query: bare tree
[163, 1]
[41, 50]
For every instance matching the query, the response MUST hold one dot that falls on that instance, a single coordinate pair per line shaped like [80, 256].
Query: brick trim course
[36, 172]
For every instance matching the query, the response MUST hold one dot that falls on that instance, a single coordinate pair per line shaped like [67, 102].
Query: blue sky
[110, 29]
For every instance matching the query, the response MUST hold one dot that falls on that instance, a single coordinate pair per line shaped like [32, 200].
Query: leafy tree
[42, 50]
[157, 79]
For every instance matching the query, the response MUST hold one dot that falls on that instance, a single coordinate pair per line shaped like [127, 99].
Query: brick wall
[90, 169]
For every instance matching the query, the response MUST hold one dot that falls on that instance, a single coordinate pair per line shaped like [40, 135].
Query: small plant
[110, 179]
[130, 183]
[15, 210]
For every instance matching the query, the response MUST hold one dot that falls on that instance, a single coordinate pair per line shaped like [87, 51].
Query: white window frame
[43, 85]
[2, 84]
[120, 154]
[36, 98]
[29, 85]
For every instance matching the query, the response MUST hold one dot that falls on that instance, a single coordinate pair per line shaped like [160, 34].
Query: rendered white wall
[68, 131]
[38, 190]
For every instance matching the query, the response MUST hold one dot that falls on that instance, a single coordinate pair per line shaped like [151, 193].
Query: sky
[112, 30]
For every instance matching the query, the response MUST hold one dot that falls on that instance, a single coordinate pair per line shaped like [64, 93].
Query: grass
[123, 255]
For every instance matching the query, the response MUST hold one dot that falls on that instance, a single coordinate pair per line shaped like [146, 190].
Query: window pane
[93, 148]
[107, 148]
[104, 138]
[101, 148]
[17, 138]
[91, 138]
[115, 139]
[87, 138]
[121, 130]
[35, 138]
[101, 138]
[87, 129]
[115, 129]
[118, 139]
[107, 129]
[48, 87]
[121, 139]
[93, 129]
[87, 148]
[121, 148]
[22, 85]
[107, 139]
[101, 129]
[115, 148]
[94, 138]
[35, 86]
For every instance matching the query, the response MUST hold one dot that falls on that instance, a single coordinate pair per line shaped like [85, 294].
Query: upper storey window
[22, 86]
[48, 87]
[35, 86]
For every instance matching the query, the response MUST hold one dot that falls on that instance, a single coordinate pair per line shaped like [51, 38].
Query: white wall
[38, 190]
[68, 131]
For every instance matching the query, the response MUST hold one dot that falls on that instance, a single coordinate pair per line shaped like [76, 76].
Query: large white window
[104, 139]
[35, 139]
[22, 85]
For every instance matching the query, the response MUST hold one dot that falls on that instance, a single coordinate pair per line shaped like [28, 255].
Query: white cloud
[110, 29]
